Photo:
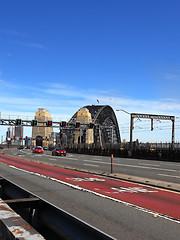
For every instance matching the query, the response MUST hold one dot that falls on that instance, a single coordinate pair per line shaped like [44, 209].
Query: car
[59, 152]
[45, 148]
[20, 147]
[38, 150]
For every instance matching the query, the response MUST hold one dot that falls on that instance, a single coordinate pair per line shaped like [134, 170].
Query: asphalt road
[158, 170]
[114, 218]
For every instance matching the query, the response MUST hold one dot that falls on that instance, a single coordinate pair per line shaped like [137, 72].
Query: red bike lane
[163, 202]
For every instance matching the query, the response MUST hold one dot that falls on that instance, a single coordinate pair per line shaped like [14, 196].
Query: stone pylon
[44, 133]
[84, 116]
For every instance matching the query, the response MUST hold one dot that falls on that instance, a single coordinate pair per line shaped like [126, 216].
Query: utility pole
[173, 120]
[131, 132]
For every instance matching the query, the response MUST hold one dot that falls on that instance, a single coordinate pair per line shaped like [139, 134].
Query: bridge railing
[144, 151]
[50, 221]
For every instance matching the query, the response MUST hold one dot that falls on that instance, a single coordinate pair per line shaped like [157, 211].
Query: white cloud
[79, 98]
[11, 32]
[170, 76]
[2, 82]
[61, 108]
[31, 45]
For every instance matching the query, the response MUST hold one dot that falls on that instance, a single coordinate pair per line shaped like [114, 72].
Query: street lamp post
[131, 127]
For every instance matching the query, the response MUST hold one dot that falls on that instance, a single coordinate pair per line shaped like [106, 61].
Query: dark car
[45, 148]
[20, 147]
[59, 152]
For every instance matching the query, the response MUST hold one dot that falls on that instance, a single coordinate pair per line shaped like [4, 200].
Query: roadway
[116, 219]
[158, 170]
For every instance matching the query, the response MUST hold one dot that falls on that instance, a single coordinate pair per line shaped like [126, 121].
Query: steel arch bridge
[106, 129]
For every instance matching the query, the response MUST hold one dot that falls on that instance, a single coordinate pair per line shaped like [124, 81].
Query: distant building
[42, 135]
[18, 131]
[10, 132]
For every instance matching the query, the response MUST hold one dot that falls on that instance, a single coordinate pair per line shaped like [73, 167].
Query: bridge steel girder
[106, 125]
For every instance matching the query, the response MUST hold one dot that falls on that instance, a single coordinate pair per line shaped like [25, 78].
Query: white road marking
[87, 179]
[99, 194]
[177, 165]
[166, 175]
[147, 164]
[71, 158]
[64, 157]
[132, 190]
[91, 165]
[52, 159]
[133, 166]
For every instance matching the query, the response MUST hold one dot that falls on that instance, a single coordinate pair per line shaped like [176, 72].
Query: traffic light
[20, 137]
[18, 122]
[26, 137]
[77, 124]
[91, 125]
[49, 123]
[63, 124]
[34, 122]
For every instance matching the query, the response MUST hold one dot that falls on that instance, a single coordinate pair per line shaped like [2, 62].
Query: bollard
[111, 163]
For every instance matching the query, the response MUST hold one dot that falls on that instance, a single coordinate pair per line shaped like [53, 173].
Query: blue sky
[64, 54]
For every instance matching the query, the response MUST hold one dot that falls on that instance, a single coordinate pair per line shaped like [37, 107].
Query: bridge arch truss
[106, 130]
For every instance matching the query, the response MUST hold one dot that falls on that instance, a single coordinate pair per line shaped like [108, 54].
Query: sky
[62, 55]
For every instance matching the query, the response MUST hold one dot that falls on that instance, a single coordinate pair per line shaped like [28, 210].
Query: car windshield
[59, 149]
[38, 148]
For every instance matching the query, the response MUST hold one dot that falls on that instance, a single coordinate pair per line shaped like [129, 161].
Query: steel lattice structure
[106, 129]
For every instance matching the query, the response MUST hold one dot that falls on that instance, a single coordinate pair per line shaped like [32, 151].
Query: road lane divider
[133, 166]
[86, 164]
[167, 175]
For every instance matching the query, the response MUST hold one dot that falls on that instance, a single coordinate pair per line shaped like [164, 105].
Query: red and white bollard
[111, 163]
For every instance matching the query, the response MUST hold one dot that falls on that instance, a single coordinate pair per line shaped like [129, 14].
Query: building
[41, 134]
[18, 131]
[10, 132]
